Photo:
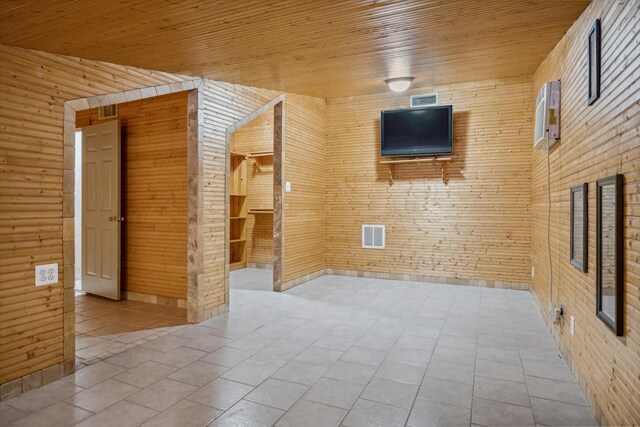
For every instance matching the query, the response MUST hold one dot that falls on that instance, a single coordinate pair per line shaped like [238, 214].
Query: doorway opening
[136, 292]
[251, 204]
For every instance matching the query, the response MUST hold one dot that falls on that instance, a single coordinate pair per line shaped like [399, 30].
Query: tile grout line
[425, 371]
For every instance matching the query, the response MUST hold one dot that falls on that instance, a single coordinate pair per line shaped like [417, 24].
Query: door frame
[195, 201]
[194, 146]
[277, 104]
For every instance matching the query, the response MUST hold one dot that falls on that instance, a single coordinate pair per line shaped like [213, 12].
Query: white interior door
[101, 209]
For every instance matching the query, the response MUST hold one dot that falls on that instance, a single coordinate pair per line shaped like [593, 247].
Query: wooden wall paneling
[307, 127]
[474, 229]
[37, 198]
[344, 48]
[225, 107]
[596, 141]
[306, 169]
[154, 193]
[260, 243]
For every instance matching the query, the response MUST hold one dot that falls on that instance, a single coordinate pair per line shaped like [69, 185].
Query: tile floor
[334, 351]
[253, 279]
[105, 327]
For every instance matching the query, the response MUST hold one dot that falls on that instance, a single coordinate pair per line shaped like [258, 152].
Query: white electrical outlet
[533, 271]
[573, 325]
[46, 274]
[287, 186]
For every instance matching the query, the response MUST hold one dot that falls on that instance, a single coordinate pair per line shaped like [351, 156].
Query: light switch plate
[573, 325]
[287, 186]
[46, 274]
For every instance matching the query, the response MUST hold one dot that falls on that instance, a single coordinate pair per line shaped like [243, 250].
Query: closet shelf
[238, 211]
[258, 163]
[260, 154]
[261, 211]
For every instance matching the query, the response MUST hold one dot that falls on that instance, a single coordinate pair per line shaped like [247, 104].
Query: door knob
[116, 219]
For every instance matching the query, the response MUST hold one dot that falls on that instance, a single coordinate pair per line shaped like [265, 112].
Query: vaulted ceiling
[327, 48]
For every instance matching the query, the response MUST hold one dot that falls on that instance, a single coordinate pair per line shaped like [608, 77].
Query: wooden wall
[33, 88]
[306, 168]
[223, 105]
[596, 141]
[153, 193]
[475, 229]
[257, 135]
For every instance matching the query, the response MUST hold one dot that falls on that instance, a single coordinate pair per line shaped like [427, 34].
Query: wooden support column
[68, 240]
[278, 196]
[194, 251]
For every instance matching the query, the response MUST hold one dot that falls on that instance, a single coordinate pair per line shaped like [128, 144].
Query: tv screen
[417, 131]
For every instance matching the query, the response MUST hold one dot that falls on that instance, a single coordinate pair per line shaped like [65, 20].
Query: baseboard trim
[259, 265]
[208, 313]
[155, 299]
[34, 380]
[300, 280]
[407, 277]
[431, 279]
[595, 407]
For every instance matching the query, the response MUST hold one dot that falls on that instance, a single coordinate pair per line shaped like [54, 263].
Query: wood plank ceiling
[326, 48]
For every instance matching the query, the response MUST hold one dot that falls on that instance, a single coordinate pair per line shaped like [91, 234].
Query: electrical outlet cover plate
[287, 186]
[46, 274]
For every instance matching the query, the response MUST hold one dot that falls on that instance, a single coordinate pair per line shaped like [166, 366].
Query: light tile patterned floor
[105, 327]
[334, 351]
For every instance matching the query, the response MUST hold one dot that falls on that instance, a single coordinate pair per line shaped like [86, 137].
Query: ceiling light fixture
[399, 84]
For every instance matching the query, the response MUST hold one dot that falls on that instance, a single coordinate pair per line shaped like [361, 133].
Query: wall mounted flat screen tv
[417, 131]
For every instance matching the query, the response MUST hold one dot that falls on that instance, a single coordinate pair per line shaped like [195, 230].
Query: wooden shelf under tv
[417, 159]
[440, 159]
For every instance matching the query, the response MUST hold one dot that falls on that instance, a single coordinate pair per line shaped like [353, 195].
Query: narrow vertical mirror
[609, 293]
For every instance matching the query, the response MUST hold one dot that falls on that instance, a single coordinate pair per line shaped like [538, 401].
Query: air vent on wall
[108, 112]
[373, 236]
[424, 100]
